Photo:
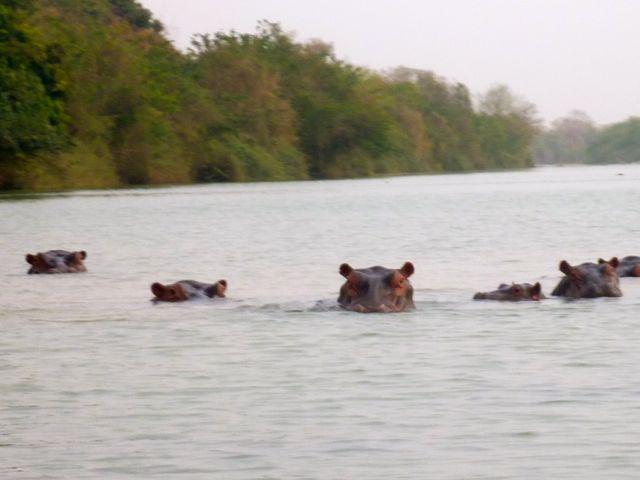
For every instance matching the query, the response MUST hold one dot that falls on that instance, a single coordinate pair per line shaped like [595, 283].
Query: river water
[97, 382]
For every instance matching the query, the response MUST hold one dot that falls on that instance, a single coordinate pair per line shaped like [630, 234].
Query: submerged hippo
[188, 289]
[627, 267]
[57, 261]
[376, 289]
[514, 292]
[589, 280]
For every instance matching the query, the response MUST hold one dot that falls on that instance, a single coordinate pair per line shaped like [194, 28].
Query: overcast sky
[559, 54]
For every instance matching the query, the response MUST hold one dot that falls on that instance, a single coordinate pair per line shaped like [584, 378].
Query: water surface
[97, 382]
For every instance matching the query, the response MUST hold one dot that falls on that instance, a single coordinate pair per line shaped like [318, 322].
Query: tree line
[577, 139]
[92, 94]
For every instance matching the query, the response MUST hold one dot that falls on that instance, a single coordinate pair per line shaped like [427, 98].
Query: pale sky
[560, 55]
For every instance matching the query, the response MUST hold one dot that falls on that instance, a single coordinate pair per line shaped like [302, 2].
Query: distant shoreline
[26, 194]
[153, 186]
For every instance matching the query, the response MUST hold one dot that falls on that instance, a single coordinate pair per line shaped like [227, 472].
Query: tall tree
[566, 141]
[32, 114]
[617, 143]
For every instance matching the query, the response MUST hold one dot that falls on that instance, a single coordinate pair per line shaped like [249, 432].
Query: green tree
[136, 14]
[617, 143]
[32, 114]
[566, 141]
[507, 125]
[93, 95]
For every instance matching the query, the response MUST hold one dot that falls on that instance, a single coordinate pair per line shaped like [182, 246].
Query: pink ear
[221, 288]
[30, 258]
[407, 269]
[614, 262]
[345, 270]
[157, 289]
[536, 291]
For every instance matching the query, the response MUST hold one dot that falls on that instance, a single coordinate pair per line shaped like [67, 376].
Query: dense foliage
[32, 114]
[566, 141]
[617, 143]
[576, 139]
[93, 95]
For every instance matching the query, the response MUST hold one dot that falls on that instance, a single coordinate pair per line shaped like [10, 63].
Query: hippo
[57, 261]
[188, 289]
[589, 280]
[514, 292]
[627, 267]
[376, 289]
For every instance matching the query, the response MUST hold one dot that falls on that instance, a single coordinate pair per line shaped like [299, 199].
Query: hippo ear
[345, 270]
[536, 289]
[535, 292]
[158, 289]
[601, 261]
[82, 254]
[75, 258]
[30, 258]
[565, 267]
[407, 269]
[217, 289]
[614, 262]
[221, 288]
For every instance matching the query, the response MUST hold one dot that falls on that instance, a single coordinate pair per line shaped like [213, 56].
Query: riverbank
[73, 190]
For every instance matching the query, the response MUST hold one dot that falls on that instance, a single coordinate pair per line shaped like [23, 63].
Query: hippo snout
[382, 308]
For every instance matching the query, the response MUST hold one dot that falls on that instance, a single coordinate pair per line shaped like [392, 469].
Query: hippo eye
[516, 290]
[361, 288]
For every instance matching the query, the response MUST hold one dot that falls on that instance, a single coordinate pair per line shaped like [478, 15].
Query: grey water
[97, 382]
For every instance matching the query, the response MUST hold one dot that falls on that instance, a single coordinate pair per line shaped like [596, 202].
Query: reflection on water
[99, 382]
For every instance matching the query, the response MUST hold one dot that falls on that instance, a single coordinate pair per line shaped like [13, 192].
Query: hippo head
[186, 289]
[376, 289]
[513, 292]
[589, 280]
[169, 293]
[627, 267]
[57, 261]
